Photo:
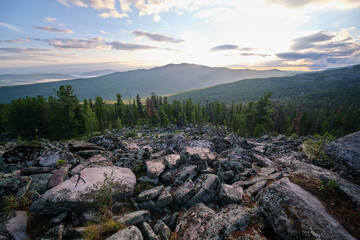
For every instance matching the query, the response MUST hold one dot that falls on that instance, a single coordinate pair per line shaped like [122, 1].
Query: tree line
[63, 116]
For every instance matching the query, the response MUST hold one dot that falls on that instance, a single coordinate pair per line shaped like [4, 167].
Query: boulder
[40, 182]
[184, 192]
[154, 168]
[133, 217]
[184, 173]
[16, 226]
[148, 232]
[163, 230]
[131, 232]
[49, 158]
[75, 193]
[150, 193]
[172, 161]
[176, 141]
[83, 145]
[346, 153]
[231, 194]
[207, 187]
[197, 156]
[57, 177]
[254, 189]
[165, 198]
[294, 213]
[201, 222]
[109, 143]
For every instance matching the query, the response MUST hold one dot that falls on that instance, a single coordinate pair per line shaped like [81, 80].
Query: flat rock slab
[83, 145]
[231, 194]
[133, 217]
[198, 156]
[17, 226]
[131, 232]
[75, 193]
[296, 214]
[150, 193]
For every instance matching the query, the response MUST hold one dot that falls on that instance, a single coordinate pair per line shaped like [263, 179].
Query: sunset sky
[88, 35]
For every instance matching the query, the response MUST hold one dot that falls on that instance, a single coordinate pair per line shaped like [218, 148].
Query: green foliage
[130, 135]
[330, 184]
[102, 230]
[61, 162]
[142, 186]
[10, 203]
[103, 195]
[314, 149]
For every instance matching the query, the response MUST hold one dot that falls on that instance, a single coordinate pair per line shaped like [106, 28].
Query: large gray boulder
[201, 222]
[75, 194]
[199, 156]
[296, 214]
[346, 153]
[131, 232]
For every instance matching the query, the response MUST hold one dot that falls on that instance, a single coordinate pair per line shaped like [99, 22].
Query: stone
[148, 232]
[198, 156]
[184, 192]
[176, 141]
[163, 230]
[184, 173]
[49, 158]
[35, 170]
[172, 160]
[89, 217]
[221, 144]
[75, 193]
[154, 168]
[207, 187]
[76, 146]
[128, 233]
[262, 161]
[150, 193]
[16, 226]
[231, 194]
[203, 223]
[133, 218]
[346, 153]
[109, 143]
[254, 189]
[296, 214]
[151, 206]
[57, 220]
[40, 182]
[58, 176]
[146, 179]
[165, 198]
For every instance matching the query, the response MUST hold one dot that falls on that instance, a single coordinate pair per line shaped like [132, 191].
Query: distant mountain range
[19, 79]
[169, 79]
[328, 86]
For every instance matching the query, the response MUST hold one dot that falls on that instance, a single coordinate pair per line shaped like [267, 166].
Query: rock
[128, 233]
[89, 217]
[163, 230]
[184, 173]
[133, 217]
[207, 187]
[201, 144]
[151, 206]
[16, 186]
[172, 161]
[150, 193]
[16, 226]
[55, 233]
[49, 158]
[198, 156]
[254, 189]
[35, 170]
[201, 222]
[262, 161]
[108, 142]
[295, 214]
[26, 155]
[57, 220]
[83, 145]
[40, 182]
[58, 177]
[184, 192]
[224, 165]
[176, 141]
[165, 198]
[221, 144]
[75, 233]
[146, 179]
[231, 194]
[346, 153]
[148, 232]
[75, 193]
[154, 168]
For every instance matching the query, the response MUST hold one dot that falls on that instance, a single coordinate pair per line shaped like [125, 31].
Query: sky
[88, 35]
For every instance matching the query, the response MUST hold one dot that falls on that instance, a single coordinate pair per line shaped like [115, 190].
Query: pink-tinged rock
[172, 160]
[154, 168]
[58, 177]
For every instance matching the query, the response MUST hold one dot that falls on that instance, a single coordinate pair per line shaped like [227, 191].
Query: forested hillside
[168, 79]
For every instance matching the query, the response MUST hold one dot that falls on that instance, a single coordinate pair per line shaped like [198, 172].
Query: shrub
[61, 162]
[10, 203]
[102, 230]
[130, 135]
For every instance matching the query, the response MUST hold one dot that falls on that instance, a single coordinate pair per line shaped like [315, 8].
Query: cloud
[230, 47]
[32, 54]
[103, 32]
[75, 43]
[254, 55]
[156, 37]
[56, 30]
[96, 4]
[129, 46]
[303, 3]
[157, 18]
[11, 27]
[19, 40]
[113, 14]
[49, 19]
[309, 41]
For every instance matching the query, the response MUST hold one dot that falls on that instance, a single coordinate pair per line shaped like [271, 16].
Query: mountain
[163, 80]
[95, 73]
[19, 79]
[325, 86]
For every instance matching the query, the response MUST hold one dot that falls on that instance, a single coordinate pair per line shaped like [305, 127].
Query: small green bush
[10, 203]
[130, 135]
[102, 230]
[61, 162]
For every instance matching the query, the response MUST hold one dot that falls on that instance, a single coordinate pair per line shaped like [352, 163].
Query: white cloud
[50, 19]
[113, 14]
[11, 27]
[96, 4]
[157, 18]
[56, 30]
[103, 32]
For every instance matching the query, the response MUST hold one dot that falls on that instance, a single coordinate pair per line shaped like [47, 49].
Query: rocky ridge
[184, 183]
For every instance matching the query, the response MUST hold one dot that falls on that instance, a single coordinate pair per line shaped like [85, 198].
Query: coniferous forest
[64, 116]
